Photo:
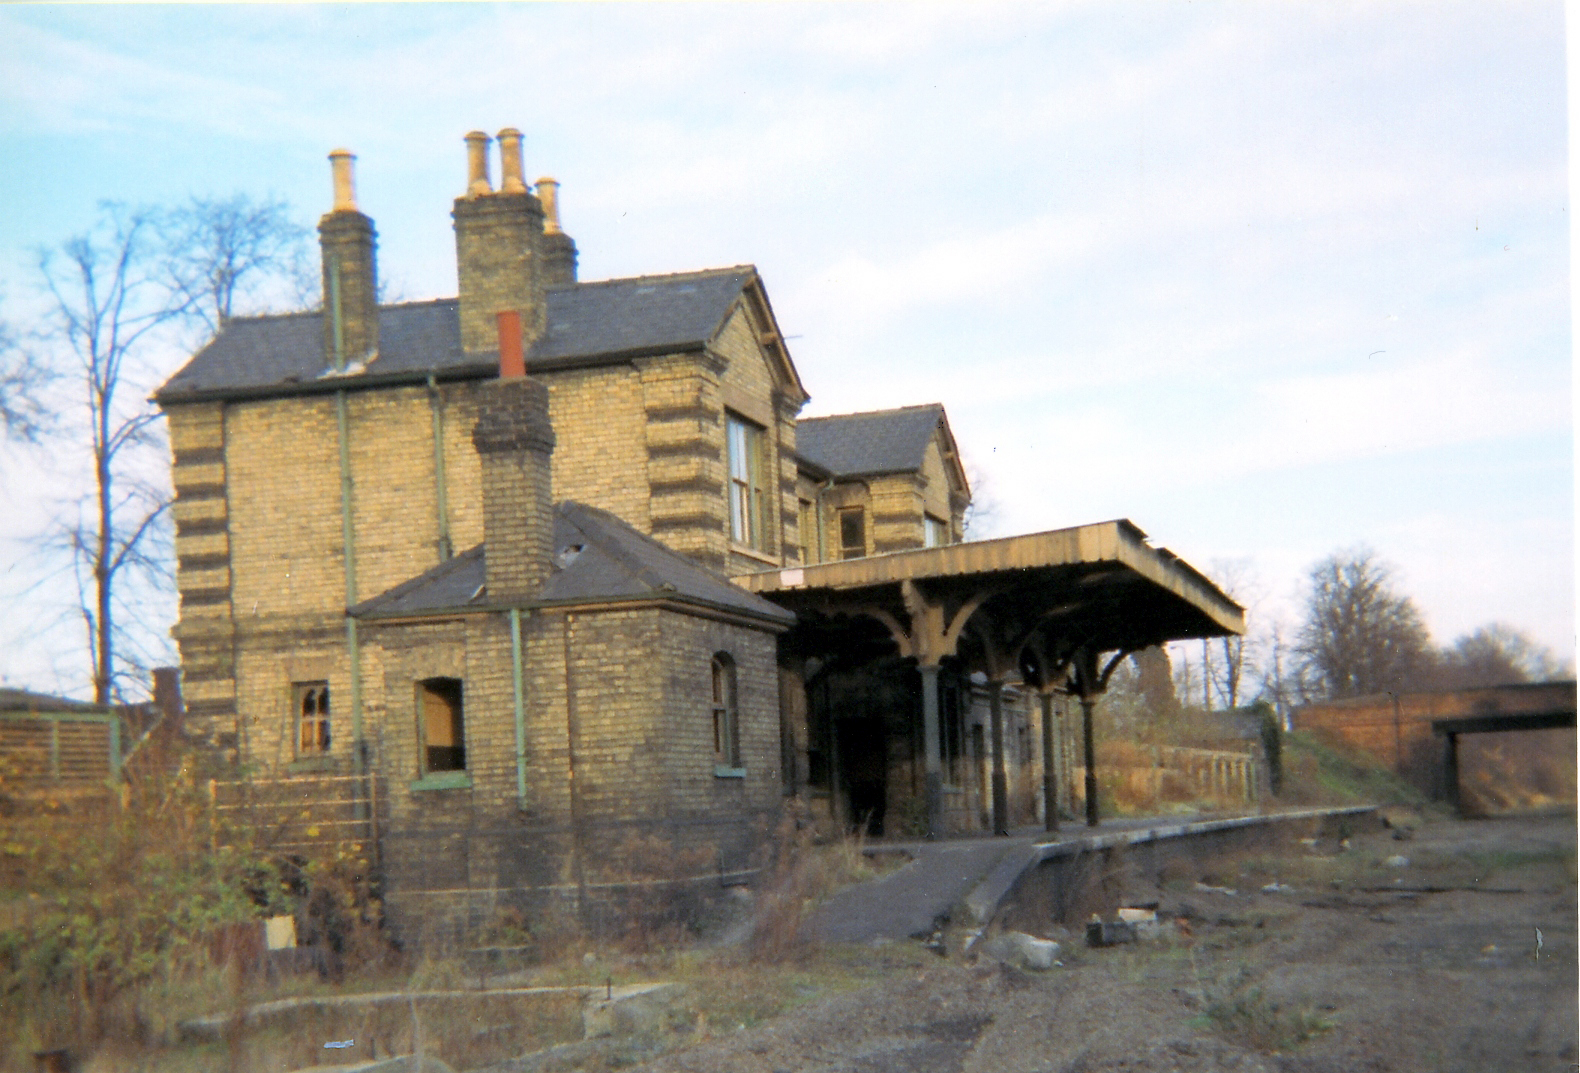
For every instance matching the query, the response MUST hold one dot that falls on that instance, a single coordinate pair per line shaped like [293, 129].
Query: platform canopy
[1099, 587]
[1057, 610]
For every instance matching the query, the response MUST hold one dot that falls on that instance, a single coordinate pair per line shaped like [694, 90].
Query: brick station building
[535, 561]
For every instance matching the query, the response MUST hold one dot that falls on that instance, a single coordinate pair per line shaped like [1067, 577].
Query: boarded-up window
[310, 702]
[852, 533]
[441, 724]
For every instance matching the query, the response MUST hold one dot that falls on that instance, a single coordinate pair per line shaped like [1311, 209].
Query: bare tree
[223, 253]
[108, 298]
[22, 374]
[982, 513]
[1277, 688]
[1227, 673]
[1360, 636]
[1496, 654]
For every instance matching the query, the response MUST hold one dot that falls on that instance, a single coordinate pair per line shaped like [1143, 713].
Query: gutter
[468, 369]
[678, 604]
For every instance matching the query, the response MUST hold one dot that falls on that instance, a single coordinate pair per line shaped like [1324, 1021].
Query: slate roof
[597, 558]
[587, 324]
[883, 441]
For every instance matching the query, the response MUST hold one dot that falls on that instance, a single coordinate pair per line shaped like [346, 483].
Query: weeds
[1237, 1005]
[800, 874]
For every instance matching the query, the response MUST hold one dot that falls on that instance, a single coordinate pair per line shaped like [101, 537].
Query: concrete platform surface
[966, 879]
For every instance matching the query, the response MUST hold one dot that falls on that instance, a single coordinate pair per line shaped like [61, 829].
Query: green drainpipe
[347, 526]
[521, 709]
[436, 405]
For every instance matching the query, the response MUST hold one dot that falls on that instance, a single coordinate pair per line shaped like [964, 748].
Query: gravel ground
[1355, 962]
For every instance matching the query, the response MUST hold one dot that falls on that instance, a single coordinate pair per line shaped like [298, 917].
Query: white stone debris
[1022, 950]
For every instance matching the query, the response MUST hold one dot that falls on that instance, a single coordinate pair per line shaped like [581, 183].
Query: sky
[1270, 280]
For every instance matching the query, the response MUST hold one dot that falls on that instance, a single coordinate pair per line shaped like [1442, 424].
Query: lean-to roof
[598, 559]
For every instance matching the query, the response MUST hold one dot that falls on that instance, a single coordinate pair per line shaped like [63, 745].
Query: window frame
[845, 548]
[935, 531]
[806, 530]
[725, 697]
[437, 687]
[322, 718]
[746, 463]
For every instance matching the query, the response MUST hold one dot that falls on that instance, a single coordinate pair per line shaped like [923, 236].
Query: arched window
[726, 719]
[311, 705]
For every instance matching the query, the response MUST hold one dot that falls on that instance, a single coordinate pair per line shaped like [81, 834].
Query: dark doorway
[864, 772]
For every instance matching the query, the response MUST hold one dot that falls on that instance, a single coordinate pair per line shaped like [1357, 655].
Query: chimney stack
[498, 247]
[559, 249]
[512, 356]
[514, 442]
[349, 247]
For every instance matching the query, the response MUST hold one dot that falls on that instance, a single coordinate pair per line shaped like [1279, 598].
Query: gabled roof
[868, 444]
[597, 559]
[586, 324]
[640, 315]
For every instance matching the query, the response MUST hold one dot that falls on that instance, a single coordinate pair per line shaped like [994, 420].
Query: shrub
[112, 894]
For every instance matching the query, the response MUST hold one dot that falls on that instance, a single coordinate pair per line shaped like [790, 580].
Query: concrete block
[1022, 950]
[1109, 932]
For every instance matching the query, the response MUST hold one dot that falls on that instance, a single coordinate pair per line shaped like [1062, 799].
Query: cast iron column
[1087, 703]
[1050, 780]
[932, 743]
[1000, 781]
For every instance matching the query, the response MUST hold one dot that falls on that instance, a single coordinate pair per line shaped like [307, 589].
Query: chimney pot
[512, 359]
[477, 184]
[510, 181]
[341, 168]
[549, 195]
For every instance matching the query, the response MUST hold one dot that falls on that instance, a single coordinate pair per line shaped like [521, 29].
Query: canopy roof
[1099, 587]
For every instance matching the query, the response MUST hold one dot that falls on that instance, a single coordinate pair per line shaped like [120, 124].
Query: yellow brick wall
[599, 450]
[936, 492]
[748, 388]
[203, 571]
[640, 687]
[895, 517]
[684, 443]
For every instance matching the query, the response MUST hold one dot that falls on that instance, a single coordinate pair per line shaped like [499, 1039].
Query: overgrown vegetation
[114, 904]
[1237, 1004]
[1321, 772]
[127, 916]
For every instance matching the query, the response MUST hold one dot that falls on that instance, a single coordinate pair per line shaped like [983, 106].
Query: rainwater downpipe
[436, 404]
[347, 526]
[521, 708]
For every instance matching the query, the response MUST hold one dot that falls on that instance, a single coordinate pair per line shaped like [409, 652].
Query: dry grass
[800, 874]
